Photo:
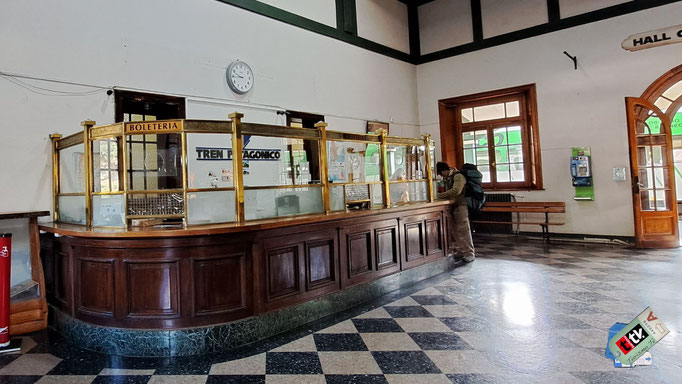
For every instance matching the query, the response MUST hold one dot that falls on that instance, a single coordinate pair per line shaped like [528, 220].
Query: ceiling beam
[415, 2]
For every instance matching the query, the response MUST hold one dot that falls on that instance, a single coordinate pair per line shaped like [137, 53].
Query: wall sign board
[651, 39]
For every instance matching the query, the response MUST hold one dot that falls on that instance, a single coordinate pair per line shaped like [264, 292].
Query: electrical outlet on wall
[619, 174]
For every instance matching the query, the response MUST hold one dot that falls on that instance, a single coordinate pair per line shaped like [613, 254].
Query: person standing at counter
[458, 219]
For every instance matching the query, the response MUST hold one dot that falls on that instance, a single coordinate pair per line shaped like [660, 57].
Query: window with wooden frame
[498, 132]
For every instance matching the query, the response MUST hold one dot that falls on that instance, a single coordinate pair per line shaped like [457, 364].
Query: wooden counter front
[179, 278]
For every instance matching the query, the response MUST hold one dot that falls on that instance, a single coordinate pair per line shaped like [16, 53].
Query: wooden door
[653, 182]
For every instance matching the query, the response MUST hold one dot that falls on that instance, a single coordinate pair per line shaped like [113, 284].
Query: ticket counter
[168, 226]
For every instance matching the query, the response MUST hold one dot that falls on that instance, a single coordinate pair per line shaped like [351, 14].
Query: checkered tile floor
[523, 312]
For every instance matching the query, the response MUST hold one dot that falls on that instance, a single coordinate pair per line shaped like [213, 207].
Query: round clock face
[240, 77]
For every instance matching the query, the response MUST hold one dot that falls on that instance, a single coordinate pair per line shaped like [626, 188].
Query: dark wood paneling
[96, 289]
[219, 284]
[283, 271]
[320, 257]
[62, 280]
[386, 241]
[47, 258]
[153, 289]
[434, 236]
[359, 253]
[414, 241]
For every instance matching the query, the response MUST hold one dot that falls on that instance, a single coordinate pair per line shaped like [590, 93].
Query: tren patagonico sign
[651, 39]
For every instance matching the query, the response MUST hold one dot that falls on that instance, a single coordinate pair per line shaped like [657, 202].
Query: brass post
[429, 173]
[184, 177]
[324, 175]
[237, 147]
[55, 137]
[384, 169]
[87, 124]
[125, 159]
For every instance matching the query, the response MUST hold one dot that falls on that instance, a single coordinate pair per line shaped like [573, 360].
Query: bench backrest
[526, 206]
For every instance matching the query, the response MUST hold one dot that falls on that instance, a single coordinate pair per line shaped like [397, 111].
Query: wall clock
[239, 77]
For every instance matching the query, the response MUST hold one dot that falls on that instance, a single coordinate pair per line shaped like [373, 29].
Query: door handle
[636, 185]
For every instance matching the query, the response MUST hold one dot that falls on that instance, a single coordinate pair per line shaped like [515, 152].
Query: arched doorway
[655, 135]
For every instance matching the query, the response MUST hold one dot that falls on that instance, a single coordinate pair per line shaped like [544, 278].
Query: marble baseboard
[228, 336]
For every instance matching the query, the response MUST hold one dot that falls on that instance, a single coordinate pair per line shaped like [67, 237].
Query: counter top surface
[216, 229]
[23, 215]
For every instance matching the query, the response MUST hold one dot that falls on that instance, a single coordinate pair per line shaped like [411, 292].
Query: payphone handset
[580, 170]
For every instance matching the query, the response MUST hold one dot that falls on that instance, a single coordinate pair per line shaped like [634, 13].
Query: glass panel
[503, 173]
[644, 156]
[279, 161]
[485, 171]
[501, 154]
[108, 211]
[467, 115]
[489, 112]
[268, 203]
[646, 199]
[72, 169]
[646, 178]
[468, 139]
[662, 200]
[512, 108]
[372, 163]
[353, 162]
[105, 165]
[469, 156]
[662, 104]
[653, 124]
[402, 193]
[481, 138]
[514, 135]
[155, 204]
[517, 172]
[406, 162]
[209, 160]
[660, 155]
[515, 153]
[661, 178]
[72, 209]
[674, 92]
[155, 161]
[211, 207]
[482, 156]
[21, 250]
[500, 136]
[336, 201]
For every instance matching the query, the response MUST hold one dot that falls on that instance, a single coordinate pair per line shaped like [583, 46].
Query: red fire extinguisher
[5, 267]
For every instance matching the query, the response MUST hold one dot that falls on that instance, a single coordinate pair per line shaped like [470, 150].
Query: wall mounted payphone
[580, 171]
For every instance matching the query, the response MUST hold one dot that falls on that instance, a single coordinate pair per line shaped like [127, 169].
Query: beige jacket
[454, 187]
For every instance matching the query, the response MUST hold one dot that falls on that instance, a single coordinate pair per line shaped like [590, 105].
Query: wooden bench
[545, 207]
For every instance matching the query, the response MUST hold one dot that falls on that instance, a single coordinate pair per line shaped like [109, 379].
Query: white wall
[503, 16]
[570, 8]
[576, 108]
[444, 24]
[181, 48]
[322, 11]
[385, 22]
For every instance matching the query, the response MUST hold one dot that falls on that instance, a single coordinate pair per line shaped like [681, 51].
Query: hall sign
[143, 127]
[653, 39]
[212, 153]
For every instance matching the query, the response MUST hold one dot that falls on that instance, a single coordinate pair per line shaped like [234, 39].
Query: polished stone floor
[523, 312]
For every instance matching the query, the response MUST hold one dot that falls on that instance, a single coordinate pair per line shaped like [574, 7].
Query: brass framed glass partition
[197, 172]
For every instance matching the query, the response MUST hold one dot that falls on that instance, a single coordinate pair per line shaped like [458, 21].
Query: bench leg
[545, 232]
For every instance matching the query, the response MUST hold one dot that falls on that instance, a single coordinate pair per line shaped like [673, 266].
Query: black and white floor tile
[523, 312]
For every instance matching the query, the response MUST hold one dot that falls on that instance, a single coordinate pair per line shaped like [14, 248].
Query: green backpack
[473, 191]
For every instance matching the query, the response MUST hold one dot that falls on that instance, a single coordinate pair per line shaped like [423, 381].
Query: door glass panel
[661, 177]
[646, 200]
[653, 124]
[501, 155]
[674, 92]
[515, 153]
[643, 156]
[645, 178]
[514, 135]
[662, 104]
[469, 156]
[503, 173]
[500, 135]
[468, 139]
[482, 156]
[485, 171]
[662, 200]
[659, 155]
[517, 173]
[467, 115]
[481, 139]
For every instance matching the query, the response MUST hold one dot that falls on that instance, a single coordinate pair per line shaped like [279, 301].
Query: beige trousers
[460, 231]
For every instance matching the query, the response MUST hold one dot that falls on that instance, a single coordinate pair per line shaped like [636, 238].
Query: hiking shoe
[469, 258]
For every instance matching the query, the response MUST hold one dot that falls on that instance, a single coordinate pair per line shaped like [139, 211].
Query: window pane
[674, 92]
[643, 156]
[512, 109]
[517, 173]
[653, 125]
[211, 207]
[646, 200]
[481, 138]
[209, 158]
[502, 154]
[485, 171]
[663, 104]
[662, 200]
[489, 112]
[469, 156]
[646, 178]
[267, 203]
[514, 135]
[661, 177]
[336, 200]
[467, 115]
[72, 209]
[500, 135]
[72, 169]
[659, 154]
[503, 173]
[482, 156]
[516, 154]
[468, 139]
